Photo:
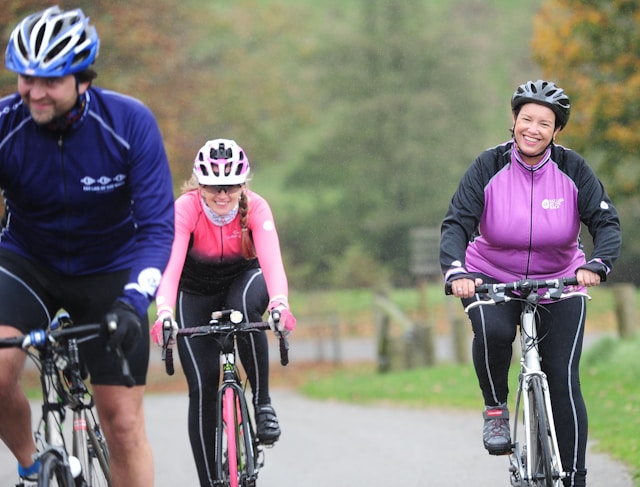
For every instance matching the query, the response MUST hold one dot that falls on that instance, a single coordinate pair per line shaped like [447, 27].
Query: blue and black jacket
[96, 198]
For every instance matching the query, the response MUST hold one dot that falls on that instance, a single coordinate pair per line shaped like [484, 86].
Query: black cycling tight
[200, 359]
[562, 325]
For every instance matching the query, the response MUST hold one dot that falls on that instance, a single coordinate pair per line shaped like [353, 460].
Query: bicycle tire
[247, 468]
[53, 471]
[229, 430]
[542, 467]
[98, 473]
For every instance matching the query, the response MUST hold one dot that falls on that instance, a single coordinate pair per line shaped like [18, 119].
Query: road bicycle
[62, 380]
[239, 453]
[535, 457]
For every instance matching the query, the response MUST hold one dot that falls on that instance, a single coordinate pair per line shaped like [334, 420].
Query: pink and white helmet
[221, 162]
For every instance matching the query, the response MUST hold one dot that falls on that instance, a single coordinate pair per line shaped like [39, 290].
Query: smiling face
[221, 199]
[49, 98]
[533, 130]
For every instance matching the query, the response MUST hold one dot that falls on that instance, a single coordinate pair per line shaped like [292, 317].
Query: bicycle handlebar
[526, 287]
[231, 325]
[38, 338]
[284, 343]
[129, 381]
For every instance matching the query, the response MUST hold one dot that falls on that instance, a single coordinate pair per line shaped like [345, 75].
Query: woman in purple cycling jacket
[516, 214]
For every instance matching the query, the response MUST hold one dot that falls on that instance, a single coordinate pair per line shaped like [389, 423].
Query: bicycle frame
[63, 388]
[239, 455]
[243, 455]
[536, 461]
[526, 404]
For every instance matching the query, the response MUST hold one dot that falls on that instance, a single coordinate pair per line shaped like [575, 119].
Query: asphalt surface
[330, 443]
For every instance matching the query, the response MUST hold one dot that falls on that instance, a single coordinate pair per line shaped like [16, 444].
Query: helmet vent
[22, 47]
[56, 50]
[39, 38]
[58, 27]
[203, 169]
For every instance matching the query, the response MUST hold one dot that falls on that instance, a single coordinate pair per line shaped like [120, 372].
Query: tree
[397, 101]
[592, 47]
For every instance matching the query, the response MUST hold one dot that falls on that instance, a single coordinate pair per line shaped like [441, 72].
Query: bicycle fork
[241, 454]
[522, 459]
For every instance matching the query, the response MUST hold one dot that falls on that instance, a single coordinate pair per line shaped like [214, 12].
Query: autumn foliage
[592, 49]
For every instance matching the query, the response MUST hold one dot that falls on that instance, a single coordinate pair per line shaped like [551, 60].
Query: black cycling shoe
[267, 424]
[496, 433]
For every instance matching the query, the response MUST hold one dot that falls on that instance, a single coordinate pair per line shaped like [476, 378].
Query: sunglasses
[216, 189]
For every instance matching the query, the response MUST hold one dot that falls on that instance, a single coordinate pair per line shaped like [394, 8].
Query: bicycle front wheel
[230, 438]
[237, 460]
[98, 473]
[53, 471]
[90, 447]
[541, 468]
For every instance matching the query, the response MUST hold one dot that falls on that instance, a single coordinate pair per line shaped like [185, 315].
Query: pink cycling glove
[287, 322]
[157, 329]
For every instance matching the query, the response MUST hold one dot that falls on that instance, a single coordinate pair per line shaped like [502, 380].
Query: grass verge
[610, 373]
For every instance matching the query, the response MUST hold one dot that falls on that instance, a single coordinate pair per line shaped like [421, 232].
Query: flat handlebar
[527, 289]
[524, 286]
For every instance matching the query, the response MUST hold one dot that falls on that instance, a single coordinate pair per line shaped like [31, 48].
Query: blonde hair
[247, 247]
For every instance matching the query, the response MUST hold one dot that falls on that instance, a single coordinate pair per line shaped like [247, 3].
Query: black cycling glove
[128, 330]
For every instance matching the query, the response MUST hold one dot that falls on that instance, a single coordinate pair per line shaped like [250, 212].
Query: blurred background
[360, 117]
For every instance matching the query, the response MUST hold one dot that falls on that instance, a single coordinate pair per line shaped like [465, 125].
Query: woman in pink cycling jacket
[226, 254]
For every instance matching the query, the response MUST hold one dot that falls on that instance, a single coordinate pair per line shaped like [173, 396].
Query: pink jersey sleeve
[267, 243]
[214, 243]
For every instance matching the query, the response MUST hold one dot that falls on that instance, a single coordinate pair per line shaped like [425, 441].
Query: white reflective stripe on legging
[486, 353]
[571, 397]
[245, 313]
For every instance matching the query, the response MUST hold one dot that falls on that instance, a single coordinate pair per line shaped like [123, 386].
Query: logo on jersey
[103, 184]
[552, 204]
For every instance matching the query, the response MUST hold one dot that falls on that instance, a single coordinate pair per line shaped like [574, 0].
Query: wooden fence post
[625, 305]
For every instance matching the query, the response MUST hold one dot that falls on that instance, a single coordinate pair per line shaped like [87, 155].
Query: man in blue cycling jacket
[88, 228]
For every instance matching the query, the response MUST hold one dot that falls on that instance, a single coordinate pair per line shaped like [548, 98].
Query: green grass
[610, 373]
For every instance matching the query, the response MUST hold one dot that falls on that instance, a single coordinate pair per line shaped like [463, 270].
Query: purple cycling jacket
[512, 221]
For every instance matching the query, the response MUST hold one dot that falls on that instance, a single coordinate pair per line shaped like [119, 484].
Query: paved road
[328, 443]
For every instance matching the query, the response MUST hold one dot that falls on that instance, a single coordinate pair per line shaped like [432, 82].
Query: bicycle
[239, 454]
[62, 380]
[534, 459]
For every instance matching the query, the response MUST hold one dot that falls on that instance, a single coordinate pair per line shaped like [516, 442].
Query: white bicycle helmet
[221, 162]
[52, 43]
